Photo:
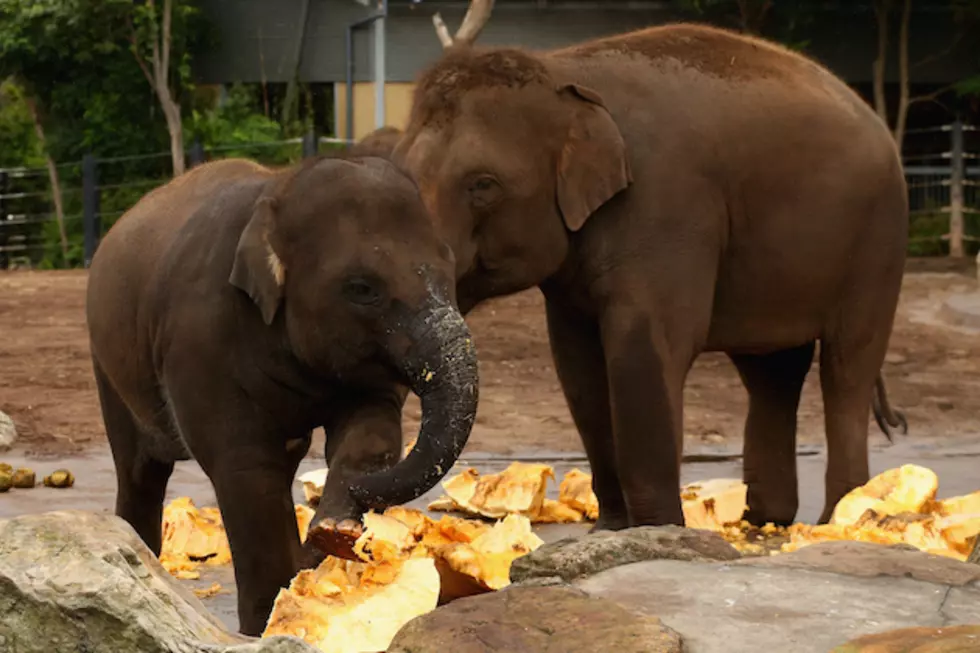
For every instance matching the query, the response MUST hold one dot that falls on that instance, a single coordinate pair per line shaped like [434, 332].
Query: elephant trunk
[441, 368]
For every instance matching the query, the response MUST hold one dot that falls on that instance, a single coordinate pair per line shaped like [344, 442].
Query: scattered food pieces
[576, 492]
[24, 478]
[208, 592]
[344, 606]
[905, 489]
[519, 490]
[313, 482]
[60, 478]
[6, 468]
[6, 481]
[899, 506]
[304, 516]
[714, 503]
[192, 536]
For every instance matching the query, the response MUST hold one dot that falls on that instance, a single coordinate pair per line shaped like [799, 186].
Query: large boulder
[534, 620]
[812, 600]
[8, 432]
[955, 639]
[577, 557]
[868, 560]
[79, 581]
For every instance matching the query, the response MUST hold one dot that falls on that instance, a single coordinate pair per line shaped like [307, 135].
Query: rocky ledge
[78, 581]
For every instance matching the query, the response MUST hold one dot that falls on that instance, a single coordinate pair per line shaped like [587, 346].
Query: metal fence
[97, 190]
[942, 169]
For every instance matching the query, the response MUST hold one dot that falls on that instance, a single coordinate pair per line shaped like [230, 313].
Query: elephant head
[344, 266]
[511, 162]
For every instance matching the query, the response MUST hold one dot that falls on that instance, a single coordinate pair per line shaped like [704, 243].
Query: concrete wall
[398, 104]
[251, 31]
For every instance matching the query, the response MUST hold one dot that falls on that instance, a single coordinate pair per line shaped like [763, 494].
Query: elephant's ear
[258, 270]
[593, 166]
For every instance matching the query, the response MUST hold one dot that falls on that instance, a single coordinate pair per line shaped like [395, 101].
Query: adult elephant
[236, 309]
[380, 142]
[672, 191]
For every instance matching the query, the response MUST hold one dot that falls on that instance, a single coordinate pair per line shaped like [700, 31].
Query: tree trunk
[752, 15]
[59, 207]
[878, 69]
[171, 112]
[903, 76]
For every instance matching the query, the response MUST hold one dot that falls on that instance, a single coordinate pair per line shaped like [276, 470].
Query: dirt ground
[932, 371]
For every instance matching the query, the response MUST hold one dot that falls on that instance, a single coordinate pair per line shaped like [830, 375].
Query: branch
[881, 8]
[441, 30]
[477, 15]
[942, 53]
[931, 97]
[136, 55]
[903, 74]
[165, 43]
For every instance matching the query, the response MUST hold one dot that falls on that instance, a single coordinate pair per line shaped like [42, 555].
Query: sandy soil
[932, 371]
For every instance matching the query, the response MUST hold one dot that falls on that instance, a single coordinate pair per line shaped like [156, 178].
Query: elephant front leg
[646, 386]
[252, 487]
[366, 438]
[576, 348]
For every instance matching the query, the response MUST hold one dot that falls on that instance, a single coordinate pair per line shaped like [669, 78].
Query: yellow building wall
[398, 104]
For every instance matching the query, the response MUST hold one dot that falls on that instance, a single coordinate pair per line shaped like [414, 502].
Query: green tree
[160, 40]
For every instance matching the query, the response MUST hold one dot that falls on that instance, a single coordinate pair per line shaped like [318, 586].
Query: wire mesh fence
[942, 168]
[95, 192]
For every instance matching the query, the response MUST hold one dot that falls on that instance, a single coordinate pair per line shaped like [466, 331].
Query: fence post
[311, 144]
[4, 188]
[90, 206]
[956, 191]
[196, 153]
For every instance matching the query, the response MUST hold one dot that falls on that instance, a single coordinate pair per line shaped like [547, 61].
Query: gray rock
[955, 639]
[572, 558]
[79, 581]
[869, 560]
[534, 620]
[8, 432]
[742, 607]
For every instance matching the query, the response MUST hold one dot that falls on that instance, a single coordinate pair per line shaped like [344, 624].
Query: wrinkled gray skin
[236, 309]
[672, 191]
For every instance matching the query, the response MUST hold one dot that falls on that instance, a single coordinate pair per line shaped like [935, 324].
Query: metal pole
[311, 144]
[196, 153]
[90, 206]
[380, 75]
[349, 82]
[956, 191]
[4, 187]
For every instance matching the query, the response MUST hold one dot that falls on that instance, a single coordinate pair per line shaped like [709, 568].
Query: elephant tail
[886, 416]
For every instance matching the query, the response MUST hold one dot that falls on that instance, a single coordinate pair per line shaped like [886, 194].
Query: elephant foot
[760, 518]
[611, 523]
[330, 537]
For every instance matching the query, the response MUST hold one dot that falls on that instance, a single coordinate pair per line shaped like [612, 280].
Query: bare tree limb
[59, 207]
[441, 30]
[942, 53]
[903, 75]
[165, 41]
[136, 53]
[477, 15]
[878, 69]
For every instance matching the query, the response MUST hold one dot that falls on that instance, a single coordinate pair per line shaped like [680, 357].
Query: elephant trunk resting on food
[672, 191]
[237, 308]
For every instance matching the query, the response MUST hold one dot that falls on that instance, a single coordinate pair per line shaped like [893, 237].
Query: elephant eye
[484, 191]
[362, 291]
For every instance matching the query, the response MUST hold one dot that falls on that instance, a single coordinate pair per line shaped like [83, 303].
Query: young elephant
[672, 191]
[237, 308]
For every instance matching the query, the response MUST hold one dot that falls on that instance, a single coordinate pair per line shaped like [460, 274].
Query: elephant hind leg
[141, 480]
[774, 382]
